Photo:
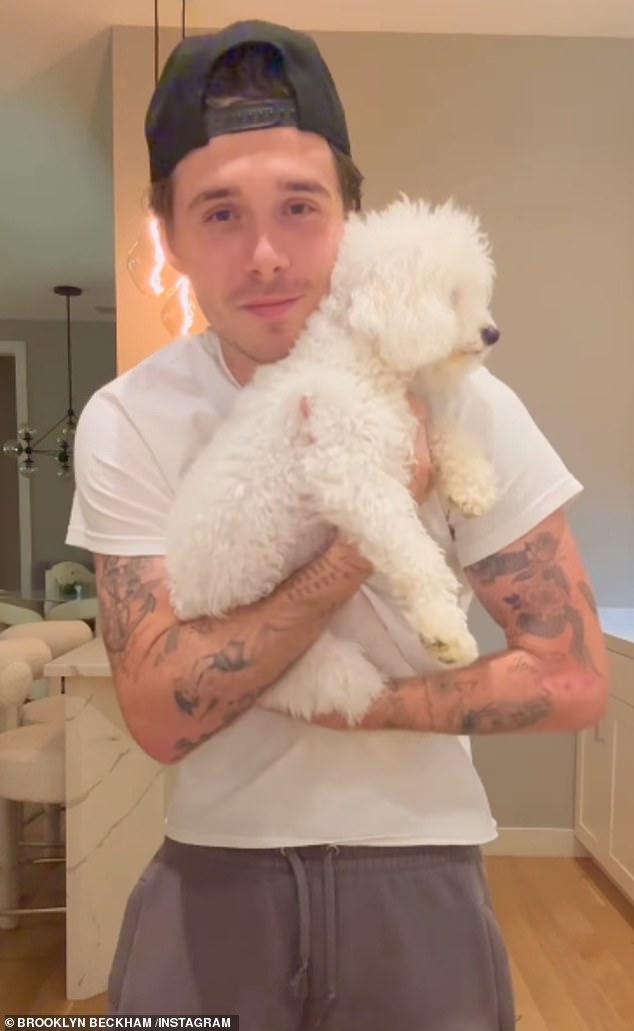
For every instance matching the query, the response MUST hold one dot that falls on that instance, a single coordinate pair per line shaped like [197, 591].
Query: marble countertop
[618, 625]
[90, 660]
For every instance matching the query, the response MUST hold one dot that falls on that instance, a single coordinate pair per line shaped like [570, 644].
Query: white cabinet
[593, 786]
[621, 854]
[604, 798]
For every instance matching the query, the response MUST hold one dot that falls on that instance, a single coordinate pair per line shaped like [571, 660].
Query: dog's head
[416, 282]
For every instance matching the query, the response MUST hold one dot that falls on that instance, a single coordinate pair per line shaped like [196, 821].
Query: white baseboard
[535, 841]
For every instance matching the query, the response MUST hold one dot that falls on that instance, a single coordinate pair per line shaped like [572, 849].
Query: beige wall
[535, 135]
[94, 363]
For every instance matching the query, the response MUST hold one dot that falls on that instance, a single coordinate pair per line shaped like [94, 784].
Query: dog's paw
[474, 498]
[463, 473]
[460, 651]
[444, 634]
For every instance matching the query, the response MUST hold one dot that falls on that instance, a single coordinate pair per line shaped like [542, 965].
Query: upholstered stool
[32, 650]
[51, 709]
[32, 764]
[16, 677]
[60, 637]
[32, 759]
[28, 649]
[32, 769]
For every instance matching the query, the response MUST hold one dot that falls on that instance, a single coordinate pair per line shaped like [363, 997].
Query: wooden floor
[569, 932]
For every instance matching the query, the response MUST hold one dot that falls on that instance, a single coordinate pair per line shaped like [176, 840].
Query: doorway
[15, 501]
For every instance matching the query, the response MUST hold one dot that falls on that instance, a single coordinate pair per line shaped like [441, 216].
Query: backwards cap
[178, 121]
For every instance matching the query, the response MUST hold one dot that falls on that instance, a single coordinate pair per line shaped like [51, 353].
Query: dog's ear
[409, 333]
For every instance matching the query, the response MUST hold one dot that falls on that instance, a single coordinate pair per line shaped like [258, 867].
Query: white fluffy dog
[407, 312]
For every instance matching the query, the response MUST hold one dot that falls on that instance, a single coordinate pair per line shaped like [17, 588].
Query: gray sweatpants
[350, 939]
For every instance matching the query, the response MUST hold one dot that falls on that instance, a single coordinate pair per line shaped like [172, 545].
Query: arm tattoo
[506, 714]
[208, 685]
[231, 659]
[534, 588]
[125, 599]
[235, 707]
[218, 667]
[501, 716]
[187, 693]
[448, 702]
[586, 591]
[542, 598]
[184, 745]
[535, 553]
[322, 574]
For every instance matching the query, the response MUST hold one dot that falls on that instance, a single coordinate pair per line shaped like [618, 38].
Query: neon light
[185, 301]
[160, 260]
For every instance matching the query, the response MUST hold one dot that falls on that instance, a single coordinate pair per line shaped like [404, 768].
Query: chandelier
[28, 444]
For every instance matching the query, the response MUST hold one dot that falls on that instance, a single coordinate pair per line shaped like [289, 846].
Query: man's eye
[222, 215]
[300, 207]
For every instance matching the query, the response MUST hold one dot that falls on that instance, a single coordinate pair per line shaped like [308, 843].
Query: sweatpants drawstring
[299, 981]
[330, 932]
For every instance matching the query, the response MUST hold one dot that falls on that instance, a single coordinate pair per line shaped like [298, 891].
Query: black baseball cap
[177, 121]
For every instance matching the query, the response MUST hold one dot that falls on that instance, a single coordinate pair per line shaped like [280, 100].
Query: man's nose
[490, 335]
[267, 257]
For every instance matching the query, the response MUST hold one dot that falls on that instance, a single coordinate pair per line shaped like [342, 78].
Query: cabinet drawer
[621, 677]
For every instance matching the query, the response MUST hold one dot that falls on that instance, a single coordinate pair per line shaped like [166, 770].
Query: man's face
[257, 221]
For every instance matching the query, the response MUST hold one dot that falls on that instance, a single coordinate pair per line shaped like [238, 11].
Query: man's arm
[178, 683]
[553, 674]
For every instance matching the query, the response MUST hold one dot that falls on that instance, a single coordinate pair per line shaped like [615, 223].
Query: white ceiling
[55, 117]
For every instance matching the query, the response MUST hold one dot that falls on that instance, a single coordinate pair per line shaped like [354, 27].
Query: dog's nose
[490, 335]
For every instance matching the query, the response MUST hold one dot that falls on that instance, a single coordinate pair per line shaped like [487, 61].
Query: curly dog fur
[324, 438]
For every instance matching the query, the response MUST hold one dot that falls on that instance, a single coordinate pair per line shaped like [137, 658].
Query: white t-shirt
[269, 780]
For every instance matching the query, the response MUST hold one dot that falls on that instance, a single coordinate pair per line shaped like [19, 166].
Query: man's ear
[166, 243]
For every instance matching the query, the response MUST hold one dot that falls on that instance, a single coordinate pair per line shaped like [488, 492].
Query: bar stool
[60, 637]
[32, 769]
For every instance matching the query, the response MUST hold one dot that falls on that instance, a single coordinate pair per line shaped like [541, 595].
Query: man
[312, 875]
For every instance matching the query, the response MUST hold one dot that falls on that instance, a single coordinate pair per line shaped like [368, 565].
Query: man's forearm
[181, 682]
[509, 691]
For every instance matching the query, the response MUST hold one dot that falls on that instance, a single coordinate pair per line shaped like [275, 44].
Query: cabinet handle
[597, 738]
